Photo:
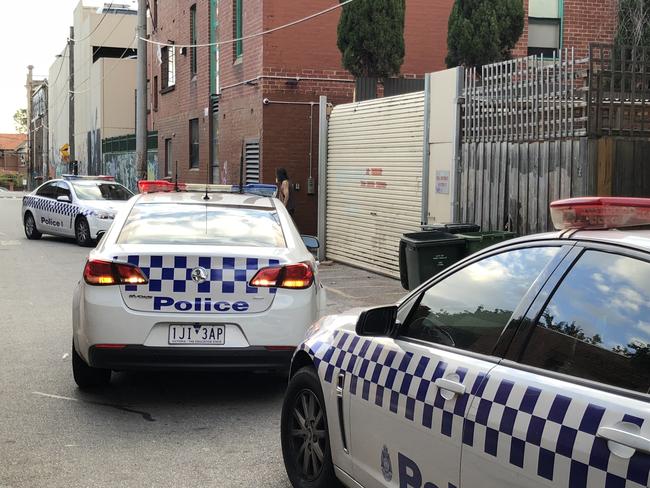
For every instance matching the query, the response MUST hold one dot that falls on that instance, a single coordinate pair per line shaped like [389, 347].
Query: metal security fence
[619, 91]
[526, 99]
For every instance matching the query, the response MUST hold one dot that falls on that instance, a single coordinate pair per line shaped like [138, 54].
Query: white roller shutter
[374, 180]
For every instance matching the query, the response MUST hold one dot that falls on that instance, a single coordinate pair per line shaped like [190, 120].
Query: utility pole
[30, 158]
[141, 94]
[71, 98]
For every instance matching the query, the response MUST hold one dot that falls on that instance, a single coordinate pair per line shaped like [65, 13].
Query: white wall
[58, 111]
[442, 143]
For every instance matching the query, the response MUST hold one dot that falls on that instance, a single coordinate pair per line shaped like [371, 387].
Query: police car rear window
[93, 190]
[196, 224]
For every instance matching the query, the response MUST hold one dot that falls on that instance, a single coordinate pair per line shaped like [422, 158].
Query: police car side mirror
[63, 198]
[310, 242]
[378, 322]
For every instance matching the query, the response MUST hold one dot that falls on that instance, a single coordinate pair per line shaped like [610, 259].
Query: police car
[82, 207]
[526, 365]
[195, 280]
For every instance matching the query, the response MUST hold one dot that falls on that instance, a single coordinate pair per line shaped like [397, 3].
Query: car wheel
[305, 439]
[82, 232]
[86, 376]
[30, 227]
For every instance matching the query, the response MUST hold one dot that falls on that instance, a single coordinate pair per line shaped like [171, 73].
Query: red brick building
[555, 24]
[13, 152]
[289, 69]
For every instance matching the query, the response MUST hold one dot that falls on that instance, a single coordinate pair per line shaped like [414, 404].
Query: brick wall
[585, 21]
[190, 96]
[10, 162]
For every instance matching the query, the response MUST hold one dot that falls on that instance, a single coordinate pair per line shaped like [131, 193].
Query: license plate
[212, 335]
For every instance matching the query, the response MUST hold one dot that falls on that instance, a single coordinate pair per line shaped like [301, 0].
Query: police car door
[570, 406]
[409, 403]
[42, 206]
[66, 211]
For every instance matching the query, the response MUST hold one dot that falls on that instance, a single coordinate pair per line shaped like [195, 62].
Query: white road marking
[58, 397]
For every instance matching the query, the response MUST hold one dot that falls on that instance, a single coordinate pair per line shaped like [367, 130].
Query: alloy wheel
[308, 434]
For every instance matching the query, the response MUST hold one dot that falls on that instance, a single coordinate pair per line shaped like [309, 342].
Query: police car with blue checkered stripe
[82, 207]
[525, 365]
[195, 280]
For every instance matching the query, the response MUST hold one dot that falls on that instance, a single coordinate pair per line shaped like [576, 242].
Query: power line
[251, 36]
[79, 92]
[62, 63]
[104, 14]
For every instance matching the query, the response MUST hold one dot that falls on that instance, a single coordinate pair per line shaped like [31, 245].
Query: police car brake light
[600, 213]
[295, 276]
[103, 273]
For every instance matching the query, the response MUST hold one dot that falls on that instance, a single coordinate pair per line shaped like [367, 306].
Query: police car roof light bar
[88, 177]
[163, 186]
[591, 213]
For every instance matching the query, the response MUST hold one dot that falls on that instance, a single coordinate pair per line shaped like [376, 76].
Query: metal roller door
[374, 180]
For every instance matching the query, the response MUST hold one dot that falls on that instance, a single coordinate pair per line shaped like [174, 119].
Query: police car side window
[469, 309]
[48, 191]
[597, 324]
[63, 190]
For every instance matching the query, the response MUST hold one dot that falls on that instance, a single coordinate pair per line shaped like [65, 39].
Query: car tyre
[304, 435]
[31, 232]
[82, 232]
[86, 376]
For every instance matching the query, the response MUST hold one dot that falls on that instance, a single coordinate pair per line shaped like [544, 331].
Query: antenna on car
[207, 183]
[241, 169]
[176, 178]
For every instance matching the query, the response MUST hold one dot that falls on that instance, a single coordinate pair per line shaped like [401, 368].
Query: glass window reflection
[101, 191]
[597, 325]
[469, 309]
[202, 225]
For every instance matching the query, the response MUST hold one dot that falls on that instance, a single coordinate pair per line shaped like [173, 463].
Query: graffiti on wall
[122, 166]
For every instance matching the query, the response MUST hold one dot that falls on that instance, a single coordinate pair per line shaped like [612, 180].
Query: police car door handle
[449, 385]
[628, 439]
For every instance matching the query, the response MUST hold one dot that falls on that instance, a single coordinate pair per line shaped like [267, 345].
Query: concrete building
[552, 25]
[103, 89]
[257, 100]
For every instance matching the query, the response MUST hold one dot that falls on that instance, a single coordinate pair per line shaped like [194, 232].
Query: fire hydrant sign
[442, 182]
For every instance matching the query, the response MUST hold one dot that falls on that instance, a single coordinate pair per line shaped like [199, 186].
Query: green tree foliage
[20, 120]
[633, 23]
[483, 31]
[371, 37]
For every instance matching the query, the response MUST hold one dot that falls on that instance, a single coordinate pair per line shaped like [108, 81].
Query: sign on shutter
[374, 180]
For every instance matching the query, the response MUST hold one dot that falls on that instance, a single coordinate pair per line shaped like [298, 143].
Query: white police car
[76, 206]
[195, 280]
[526, 365]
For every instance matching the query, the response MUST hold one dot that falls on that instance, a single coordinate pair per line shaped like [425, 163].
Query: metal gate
[374, 180]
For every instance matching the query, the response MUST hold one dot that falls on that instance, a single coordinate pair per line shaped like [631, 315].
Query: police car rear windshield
[99, 190]
[197, 224]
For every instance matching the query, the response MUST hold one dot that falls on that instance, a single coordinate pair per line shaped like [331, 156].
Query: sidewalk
[349, 287]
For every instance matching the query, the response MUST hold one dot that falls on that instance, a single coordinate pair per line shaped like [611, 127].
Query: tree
[20, 120]
[483, 31]
[371, 37]
[633, 23]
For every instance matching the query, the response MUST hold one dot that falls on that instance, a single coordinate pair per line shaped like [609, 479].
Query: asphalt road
[145, 430]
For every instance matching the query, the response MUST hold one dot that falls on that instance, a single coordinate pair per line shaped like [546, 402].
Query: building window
[169, 162]
[154, 15]
[168, 67]
[238, 28]
[154, 95]
[193, 41]
[544, 27]
[194, 143]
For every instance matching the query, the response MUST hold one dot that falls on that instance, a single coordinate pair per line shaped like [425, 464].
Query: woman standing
[285, 194]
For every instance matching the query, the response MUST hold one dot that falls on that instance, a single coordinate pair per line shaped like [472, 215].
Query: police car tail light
[600, 213]
[103, 273]
[295, 276]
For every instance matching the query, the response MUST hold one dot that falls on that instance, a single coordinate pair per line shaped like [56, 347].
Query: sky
[31, 32]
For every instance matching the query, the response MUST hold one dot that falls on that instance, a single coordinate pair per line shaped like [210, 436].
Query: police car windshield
[198, 224]
[95, 190]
